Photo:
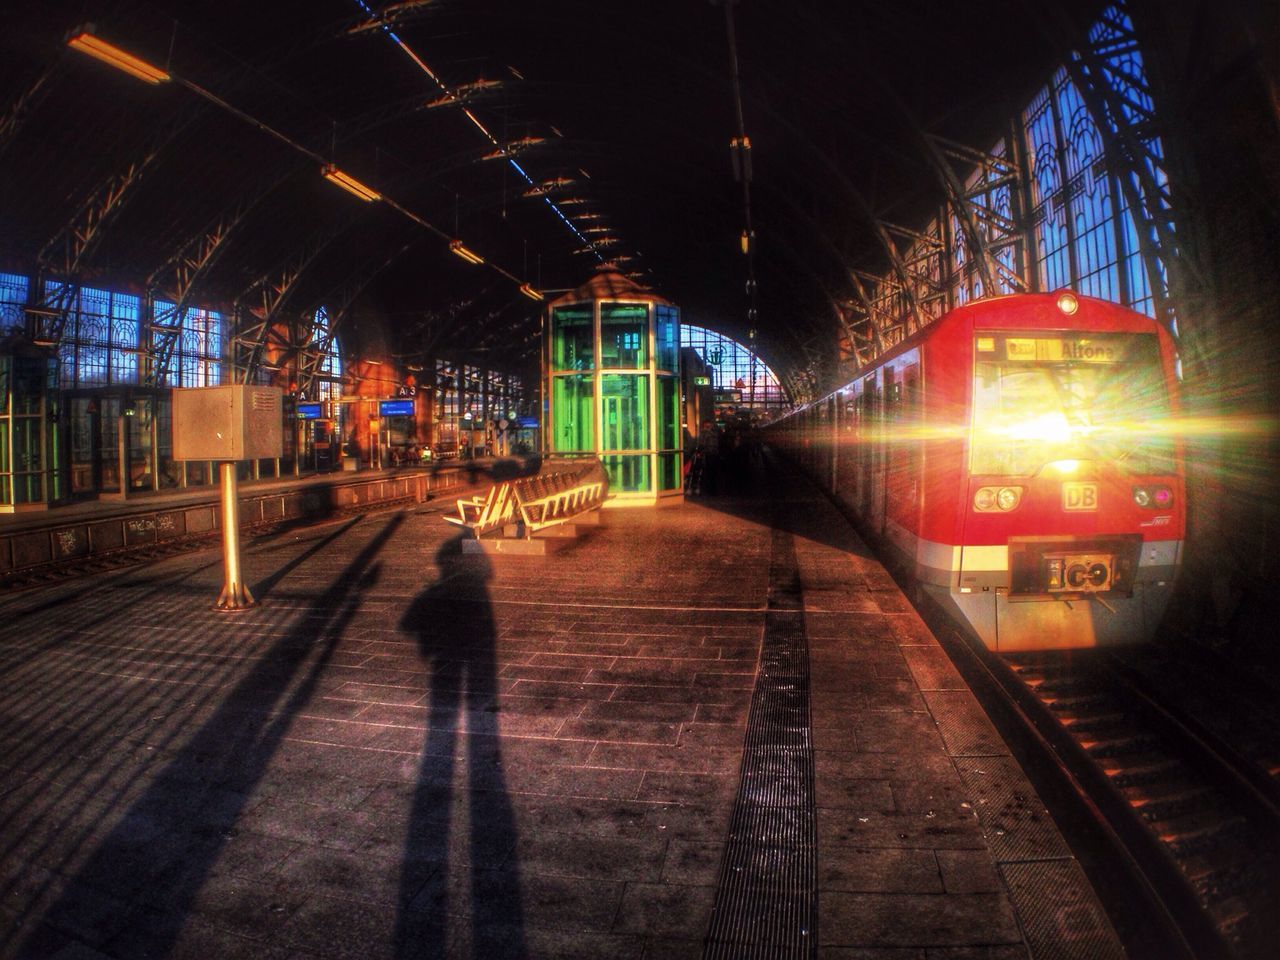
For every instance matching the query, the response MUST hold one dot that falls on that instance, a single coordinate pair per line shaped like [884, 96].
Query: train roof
[1038, 311]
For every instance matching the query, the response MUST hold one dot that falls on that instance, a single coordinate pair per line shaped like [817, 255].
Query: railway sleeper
[1160, 802]
[1078, 704]
[1065, 686]
[1205, 832]
[1099, 724]
[1133, 771]
[1215, 881]
[1234, 920]
[1100, 747]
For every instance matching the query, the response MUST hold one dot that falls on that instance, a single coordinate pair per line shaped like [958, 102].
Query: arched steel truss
[259, 309]
[312, 350]
[1131, 129]
[886, 307]
[63, 259]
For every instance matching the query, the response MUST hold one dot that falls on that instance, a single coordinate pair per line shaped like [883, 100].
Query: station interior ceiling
[622, 114]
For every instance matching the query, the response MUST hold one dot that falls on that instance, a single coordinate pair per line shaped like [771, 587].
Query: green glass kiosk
[611, 381]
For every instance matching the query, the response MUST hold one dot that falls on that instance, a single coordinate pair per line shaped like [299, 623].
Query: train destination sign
[308, 411]
[1101, 349]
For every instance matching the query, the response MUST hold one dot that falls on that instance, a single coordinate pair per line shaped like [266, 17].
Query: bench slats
[537, 502]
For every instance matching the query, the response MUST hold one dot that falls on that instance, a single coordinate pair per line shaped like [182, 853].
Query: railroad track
[1182, 827]
[1201, 819]
[139, 556]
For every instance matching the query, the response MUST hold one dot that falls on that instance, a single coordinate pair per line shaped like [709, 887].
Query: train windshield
[1046, 398]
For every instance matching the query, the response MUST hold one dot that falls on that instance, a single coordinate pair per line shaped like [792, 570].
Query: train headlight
[1157, 497]
[1008, 498]
[997, 499]
[1068, 303]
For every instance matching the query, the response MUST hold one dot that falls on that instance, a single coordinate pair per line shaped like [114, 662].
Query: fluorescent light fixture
[531, 293]
[85, 40]
[457, 247]
[349, 183]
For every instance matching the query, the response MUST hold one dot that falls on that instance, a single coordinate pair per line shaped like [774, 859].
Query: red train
[1018, 457]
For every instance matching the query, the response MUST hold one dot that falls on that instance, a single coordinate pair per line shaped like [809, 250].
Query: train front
[1074, 510]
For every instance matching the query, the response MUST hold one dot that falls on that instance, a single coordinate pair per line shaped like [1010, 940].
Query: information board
[395, 408]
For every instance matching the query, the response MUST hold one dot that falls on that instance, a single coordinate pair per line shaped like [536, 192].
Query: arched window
[735, 369]
[1083, 235]
[329, 380]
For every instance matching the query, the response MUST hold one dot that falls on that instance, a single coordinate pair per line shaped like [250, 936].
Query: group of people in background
[719, 457]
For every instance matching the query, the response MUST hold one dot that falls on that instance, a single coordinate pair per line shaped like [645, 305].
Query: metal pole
[235, 594]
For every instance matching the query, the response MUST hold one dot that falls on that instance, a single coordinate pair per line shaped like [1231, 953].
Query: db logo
[1079, 496]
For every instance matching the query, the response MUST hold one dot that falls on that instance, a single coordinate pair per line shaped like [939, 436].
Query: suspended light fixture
[531, 293]
[460, 250]
[349, 183]
[85, 40]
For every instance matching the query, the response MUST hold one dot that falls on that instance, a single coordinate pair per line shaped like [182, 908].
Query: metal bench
[557, 497]
[482, 515]
[515, 510]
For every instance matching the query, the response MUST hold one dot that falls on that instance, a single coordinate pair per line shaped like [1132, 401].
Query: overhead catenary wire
[382, 25]
[741, 148]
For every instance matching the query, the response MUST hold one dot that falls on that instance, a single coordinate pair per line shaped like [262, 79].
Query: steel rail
[1248, 785]
[1170, 921]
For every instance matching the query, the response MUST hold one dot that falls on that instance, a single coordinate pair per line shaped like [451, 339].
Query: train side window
[911, 387]
[893, 401]
[870, 398]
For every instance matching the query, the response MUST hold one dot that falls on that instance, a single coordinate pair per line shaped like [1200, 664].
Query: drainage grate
[766, 899]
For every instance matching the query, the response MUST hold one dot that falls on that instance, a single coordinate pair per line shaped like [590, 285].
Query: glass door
[140, 447]
[86, 443]
[109, 446]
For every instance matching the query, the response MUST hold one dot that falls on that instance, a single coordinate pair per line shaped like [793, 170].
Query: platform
[715, 729]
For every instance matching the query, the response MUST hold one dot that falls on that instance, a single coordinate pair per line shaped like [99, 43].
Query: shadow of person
[461, 786]
[165, 846]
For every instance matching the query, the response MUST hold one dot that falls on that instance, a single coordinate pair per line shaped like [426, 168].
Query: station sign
[395, 408]
[527, 423]
[309, 411]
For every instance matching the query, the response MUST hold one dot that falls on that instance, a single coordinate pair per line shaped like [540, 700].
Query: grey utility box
[233, 422]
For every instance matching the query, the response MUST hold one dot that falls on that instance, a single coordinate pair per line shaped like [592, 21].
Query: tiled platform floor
[407, 752]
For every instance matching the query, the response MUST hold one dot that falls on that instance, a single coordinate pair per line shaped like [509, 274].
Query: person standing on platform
[709, 449]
